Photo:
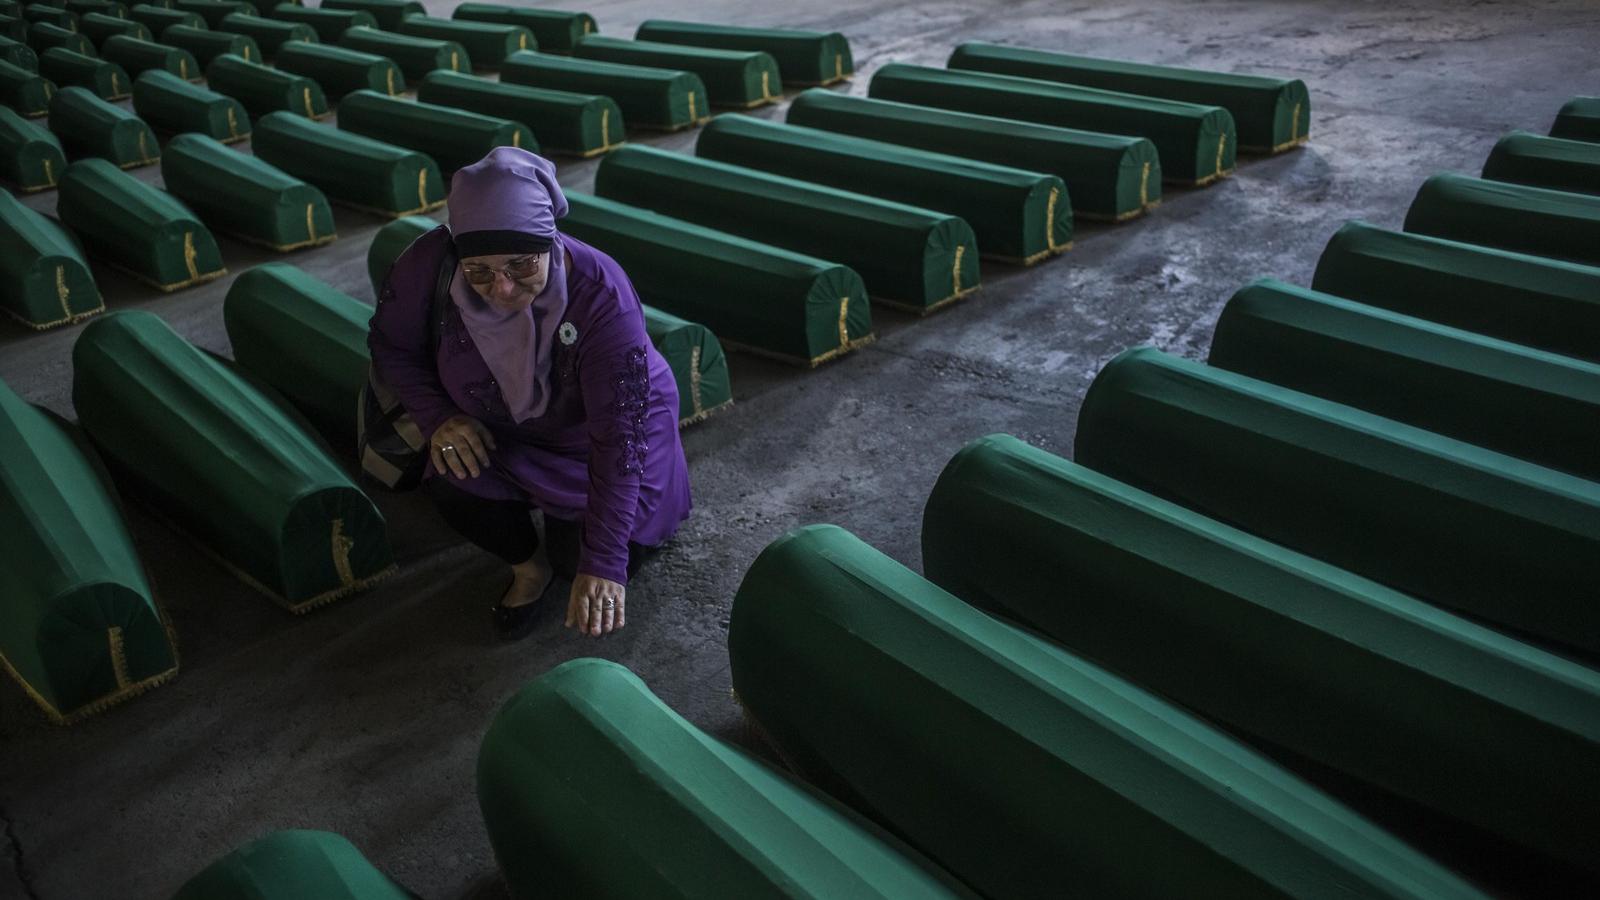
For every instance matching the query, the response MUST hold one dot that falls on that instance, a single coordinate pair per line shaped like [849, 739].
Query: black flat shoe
[513, 623]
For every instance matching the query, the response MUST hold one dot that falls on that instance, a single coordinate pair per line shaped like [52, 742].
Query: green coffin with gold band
[1017, 216]
[487, 43]
[340, 70]
[99, 26]
[107, 80]
[911, 258]
[390, 241]
[557, 31]
[269, 34]
[207, 45]
[138, 57]
[43, 35]
[18, 54]
[1459, 526]
[14, 28]
[803, 57]
[244, 196]
[173, 105]
[293, 865]
[213, 11]
[328, 23]
[82, 630]
[416, 56]
[587, 745]
[758, 297]
[663, 99]
[44, 13]
[224, 463]
[1523, 157]
[31, 158]
[89, 126]
[1557, 224]
[305, 339]
[134, 226]
[351, 169]
[1197, 143]
[581, 125]
[1544, 303]
[263, 90]
[160, 18]
[1579, 120]
[1271, 114]
[1276, 646]
[85, 8]
[740, 79]
[454, 138]
[1510, 398]
[44, 278]
[388, 13]
[25, 91]
[698, 364]
[991, 750]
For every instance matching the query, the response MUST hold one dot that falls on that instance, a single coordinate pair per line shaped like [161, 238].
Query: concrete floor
[364, 718]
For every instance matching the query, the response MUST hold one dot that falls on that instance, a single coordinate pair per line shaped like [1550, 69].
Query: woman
[543, 391]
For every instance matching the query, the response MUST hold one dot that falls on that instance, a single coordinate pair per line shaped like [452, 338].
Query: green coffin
[245, 196]
[138, 57]
[388, 13]
[804, 57]
[158, 18]
[207, 45]
[1579, 120]
[222, 462]
[1339, 670]
[305, 339]
[213, 11]
[651, 98]
[587, 746]
[85, 8]
[99, 26]
[1522, 157]
[992, 751]
[269, 34]
[1540, 221]
[293, 865]
[487, 43]
[910, 258]
[42, 14]
[390, 241]
[556, 31]
[698, 364]
[263, 90]
[82, 630]
[1457, 525]
[1017, 216]
[30, 157]
[351, 169]
[735, 78]
[14, 28]
[1510, 398]
[24, 91]
[415, 56]
[18, 54]
[580, 125]
[1271, 114]
[328, 23]
[453, 138]
[42, 36]
[1544, 303]
[135, 227]
[89, 126]
[106, 80]
[1196, 143]
[44, 278]
[758, 297]
[340, 70]
[173, 105]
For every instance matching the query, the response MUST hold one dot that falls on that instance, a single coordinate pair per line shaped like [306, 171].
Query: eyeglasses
[517, 269]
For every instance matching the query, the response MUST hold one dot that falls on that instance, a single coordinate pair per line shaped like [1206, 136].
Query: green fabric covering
[328, 23]
[107, 80]
[213, 11]
[40, 14]
[1452, 523]
[26, 92]
[388, 13]
[159, 19]
[452, 137]
[340, 70]
[415, 56]
[306, 340]
[42, 36]
[44, 278]
[487, 43]
[587, 746]
[1557, 224]
[220, 460]
[269, 34]
[137, 57]
[1196, 143]
[765, 299]
[171, 104]
[740, 79]
[1510, 398]
[391, 241]
[244, 196]
[1544, 303]
[556, 31]
[79, 628]
[132, 225]
[651, 98]
[207, 45]
[263, 90]
[804, 57]
[293, 865]
[580, 125]
[30, 157]
[1018, 216]
[89, 126]
[698, 364]
[85, 8]
[1274, 645]
[14, 27]
[1526, 158]
[350, 169]
[99, 26]
[1270, 114]
[1019, 767]
[910, 258]
[1579, 120]
[18, 54]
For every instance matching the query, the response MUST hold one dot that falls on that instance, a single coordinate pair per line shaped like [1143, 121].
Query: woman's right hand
[460, 447]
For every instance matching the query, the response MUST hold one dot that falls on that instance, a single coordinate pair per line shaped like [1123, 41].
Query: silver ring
[611, 604]
[451, 448]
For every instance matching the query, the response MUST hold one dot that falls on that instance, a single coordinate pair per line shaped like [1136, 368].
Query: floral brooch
[568, 333]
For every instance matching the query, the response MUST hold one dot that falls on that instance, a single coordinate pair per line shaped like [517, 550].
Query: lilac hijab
[512, 190]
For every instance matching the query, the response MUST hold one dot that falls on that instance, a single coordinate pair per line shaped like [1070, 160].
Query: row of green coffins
[1578, 120]
[1554, 223]
[1547, 162]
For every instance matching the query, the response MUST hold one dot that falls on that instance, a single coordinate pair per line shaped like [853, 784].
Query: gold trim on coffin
[846, 345]
[126, 689]
[61, 294]
[701, 413]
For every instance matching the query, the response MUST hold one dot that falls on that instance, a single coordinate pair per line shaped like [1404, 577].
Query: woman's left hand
[596, 606]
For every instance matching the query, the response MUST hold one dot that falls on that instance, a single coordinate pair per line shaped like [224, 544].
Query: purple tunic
[606, 451]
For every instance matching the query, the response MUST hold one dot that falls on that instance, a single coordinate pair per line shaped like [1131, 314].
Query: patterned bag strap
[441, 293]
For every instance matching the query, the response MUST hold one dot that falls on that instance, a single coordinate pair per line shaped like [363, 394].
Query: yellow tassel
[844, 328]
[190, 254]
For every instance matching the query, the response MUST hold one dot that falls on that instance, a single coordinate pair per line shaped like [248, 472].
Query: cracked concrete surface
[364, 718]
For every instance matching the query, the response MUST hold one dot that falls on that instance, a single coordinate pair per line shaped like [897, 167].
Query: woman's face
[509, 281]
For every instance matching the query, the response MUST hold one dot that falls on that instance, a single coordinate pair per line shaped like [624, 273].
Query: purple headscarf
[508, 202]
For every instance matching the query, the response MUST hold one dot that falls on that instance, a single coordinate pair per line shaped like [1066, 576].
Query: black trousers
[505, 529]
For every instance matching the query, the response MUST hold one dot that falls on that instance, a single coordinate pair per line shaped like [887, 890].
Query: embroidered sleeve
[614, 372]
[632, 407]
